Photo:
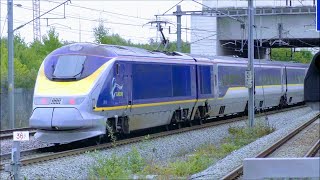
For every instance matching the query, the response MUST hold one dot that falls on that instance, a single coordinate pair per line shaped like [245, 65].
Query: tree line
[29, 56]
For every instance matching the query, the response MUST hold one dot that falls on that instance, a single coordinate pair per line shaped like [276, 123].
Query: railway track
[50, 156]
[8, 134]
[314, 150]
[238, 172]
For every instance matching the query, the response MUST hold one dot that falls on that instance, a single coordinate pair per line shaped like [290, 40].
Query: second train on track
[81, 88]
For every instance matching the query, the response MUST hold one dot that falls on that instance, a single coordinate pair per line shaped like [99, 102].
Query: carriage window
[267, 76]
[205, 79]
[151, 81]
[231, 76]
[295, 76]
[181, 80]
[159, 81]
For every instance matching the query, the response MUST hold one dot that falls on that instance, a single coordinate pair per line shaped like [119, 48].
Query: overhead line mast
[250, 69]
[36, 22]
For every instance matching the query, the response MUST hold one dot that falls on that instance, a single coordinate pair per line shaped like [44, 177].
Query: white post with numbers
[14, 166]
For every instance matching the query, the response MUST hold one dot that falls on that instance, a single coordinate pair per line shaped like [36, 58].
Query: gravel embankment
[235, 159]
[6, 145]
[164, 149]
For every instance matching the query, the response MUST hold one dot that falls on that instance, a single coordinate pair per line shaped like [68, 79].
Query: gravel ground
[162, 149]
[233, 160]
[6, 145]
[300, 144]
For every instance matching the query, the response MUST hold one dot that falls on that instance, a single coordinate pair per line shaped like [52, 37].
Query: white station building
[220, 28]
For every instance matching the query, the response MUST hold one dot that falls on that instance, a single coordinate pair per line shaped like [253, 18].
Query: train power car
[312, 83]
[82, 88]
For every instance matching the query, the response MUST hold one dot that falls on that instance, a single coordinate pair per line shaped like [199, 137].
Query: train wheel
[200, 121]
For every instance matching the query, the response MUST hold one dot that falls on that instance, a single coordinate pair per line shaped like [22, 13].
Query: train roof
[116, 50]
[239, 60]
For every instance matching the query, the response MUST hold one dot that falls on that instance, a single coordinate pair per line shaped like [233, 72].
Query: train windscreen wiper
[69, 67]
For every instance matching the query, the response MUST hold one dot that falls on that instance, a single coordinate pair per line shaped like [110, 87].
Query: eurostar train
[84, 89]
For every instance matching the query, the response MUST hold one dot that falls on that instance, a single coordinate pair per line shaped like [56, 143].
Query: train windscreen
[69, 67]
[72, 67]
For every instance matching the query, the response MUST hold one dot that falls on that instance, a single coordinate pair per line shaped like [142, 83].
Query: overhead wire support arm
[217, 11]
[211, 10]
[19, 27]
[64, 15]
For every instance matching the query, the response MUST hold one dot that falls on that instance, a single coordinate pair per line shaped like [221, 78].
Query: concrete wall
[203, 41]
[294, 26]
[242, 3]
[23, 108]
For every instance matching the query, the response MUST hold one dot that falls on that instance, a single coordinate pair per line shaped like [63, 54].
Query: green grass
[117, 167]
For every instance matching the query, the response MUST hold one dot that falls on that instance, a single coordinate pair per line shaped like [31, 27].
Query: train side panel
[268, 86]
[295, 77]
[151, 93]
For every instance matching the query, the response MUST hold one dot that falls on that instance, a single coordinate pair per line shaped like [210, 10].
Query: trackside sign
[318, 15]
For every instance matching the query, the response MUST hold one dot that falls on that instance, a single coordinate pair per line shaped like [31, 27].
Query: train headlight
[73, 100]
[58, 100]
[42, 100]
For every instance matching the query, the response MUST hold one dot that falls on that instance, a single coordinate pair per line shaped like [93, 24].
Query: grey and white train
[81, 88]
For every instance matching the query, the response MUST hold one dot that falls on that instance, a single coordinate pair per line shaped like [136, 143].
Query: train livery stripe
[178, 102]
[45, 87]
[143, 105]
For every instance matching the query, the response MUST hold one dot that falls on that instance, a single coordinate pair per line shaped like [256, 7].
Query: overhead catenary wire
[103, 11]
[4, 23]
[172, 7]
[85, 19]
[96, 20]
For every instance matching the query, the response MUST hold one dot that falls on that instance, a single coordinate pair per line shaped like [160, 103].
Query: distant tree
[51, 41]
[101, 35]
[100, 32]
[284, 54]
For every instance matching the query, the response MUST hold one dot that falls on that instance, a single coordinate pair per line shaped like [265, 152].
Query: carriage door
[285, 80]
[121, 83]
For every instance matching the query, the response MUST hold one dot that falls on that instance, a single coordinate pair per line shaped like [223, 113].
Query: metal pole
[251, 107]
[16, 160]
[179, 28]
[10, 64]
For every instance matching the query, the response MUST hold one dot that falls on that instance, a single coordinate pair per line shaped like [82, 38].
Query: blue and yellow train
[81, 88]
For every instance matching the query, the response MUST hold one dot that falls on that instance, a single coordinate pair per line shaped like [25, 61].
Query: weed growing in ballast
[133, 163]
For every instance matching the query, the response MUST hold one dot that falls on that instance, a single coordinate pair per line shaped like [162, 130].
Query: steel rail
[42, 158]
[237, 172]
[8, 131]
[313, 150]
